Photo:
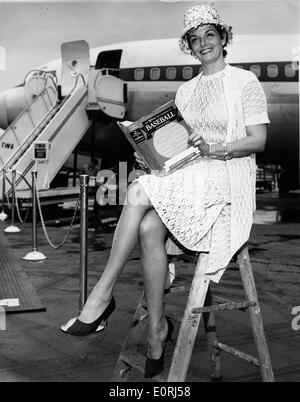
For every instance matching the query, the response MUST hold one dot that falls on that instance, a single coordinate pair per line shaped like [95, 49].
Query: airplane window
[256, 70]
[139, 74]
[187, 73]
[171, 73]
[289, 71]
[155, 73]
[272, 71]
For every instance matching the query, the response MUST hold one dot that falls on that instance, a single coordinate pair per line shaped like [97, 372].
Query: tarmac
[33, 349]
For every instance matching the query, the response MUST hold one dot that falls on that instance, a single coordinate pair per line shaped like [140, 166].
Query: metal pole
[13, 196]
[34, 255]
[34, 220]
[3, 215]
[84, 183]
[12, 228]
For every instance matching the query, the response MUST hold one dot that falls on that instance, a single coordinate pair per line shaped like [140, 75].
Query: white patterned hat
[201, 15]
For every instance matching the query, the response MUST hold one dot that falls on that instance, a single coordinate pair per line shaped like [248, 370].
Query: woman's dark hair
[223, 34]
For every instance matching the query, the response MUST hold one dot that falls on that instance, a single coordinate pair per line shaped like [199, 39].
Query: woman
[208, 204]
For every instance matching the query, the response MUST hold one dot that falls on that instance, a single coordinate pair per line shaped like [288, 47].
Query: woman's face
[206, 43]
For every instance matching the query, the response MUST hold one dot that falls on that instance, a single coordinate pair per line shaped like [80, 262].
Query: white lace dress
[194, 202]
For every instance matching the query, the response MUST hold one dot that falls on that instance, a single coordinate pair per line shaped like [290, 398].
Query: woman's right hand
[140, 162]
[197, 141]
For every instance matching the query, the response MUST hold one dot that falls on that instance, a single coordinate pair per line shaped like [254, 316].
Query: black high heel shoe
[79, 328]
[155, 366]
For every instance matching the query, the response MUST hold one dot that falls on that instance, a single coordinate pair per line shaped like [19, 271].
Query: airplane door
[111, 96]
[107, 92]
[75, 58]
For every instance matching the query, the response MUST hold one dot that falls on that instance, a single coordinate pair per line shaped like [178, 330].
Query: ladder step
[136, 360]
[224, 307]
[235, 352]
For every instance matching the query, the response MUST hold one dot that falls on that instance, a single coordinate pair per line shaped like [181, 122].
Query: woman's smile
[206, 50]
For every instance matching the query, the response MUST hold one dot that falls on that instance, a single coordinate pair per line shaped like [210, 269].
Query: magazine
[161, 139]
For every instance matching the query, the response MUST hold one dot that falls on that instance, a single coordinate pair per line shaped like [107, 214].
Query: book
[161, 139]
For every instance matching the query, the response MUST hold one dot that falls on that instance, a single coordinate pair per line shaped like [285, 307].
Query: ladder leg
[135, 333]
[256, 318]
[211, 336]
[190, 323]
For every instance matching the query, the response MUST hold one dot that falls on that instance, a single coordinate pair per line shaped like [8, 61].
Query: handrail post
[84, 184]
[3, 215]
[34, 255]
[12, 228]
[34, 211]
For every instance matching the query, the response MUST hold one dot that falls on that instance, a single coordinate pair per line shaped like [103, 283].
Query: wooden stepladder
[200, 302]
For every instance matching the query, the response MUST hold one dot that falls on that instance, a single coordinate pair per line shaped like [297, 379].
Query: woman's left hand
[140, 162]
[198, 142]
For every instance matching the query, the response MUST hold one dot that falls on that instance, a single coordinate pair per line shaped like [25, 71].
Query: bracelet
[229, 151]
[216, 154]
[210, 151]
[225, 154]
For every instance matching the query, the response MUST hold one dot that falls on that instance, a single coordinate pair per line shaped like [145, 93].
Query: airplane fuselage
[154, 69]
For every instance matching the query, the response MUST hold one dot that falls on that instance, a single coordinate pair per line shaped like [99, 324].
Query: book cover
[161, 138]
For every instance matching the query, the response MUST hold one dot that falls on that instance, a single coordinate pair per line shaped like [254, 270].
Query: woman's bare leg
[152, 236]
[125, 238]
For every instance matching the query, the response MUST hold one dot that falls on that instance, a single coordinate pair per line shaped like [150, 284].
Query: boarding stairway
[59, 116]
[61, 124]
[26, 128]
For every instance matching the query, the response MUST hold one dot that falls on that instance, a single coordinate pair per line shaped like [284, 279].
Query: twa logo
[2, 319]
